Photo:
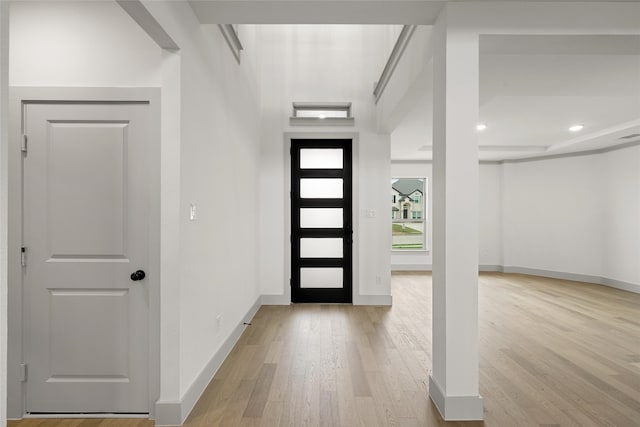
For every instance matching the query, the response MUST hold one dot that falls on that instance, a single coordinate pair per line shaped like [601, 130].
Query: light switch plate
[192, 212]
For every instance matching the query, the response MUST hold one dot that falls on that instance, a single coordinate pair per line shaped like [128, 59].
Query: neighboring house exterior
[407, 199]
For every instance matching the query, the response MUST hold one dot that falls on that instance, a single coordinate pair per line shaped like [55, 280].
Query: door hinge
[23, 256]
[289, 282]
[23, 372]
[23, 143]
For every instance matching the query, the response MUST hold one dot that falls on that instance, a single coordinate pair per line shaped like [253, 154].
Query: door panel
[321, 158]
[316, 188]
[103, 355]
[321, 218]
[321, 277]
[87, 216]
[86, 201]
[321, 234]
[321, 248]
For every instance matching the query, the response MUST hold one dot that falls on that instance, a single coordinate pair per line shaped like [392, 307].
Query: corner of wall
[176, 413]
[501, 209]
[168, 414]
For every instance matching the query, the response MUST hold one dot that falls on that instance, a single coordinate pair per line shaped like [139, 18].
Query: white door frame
[15, 357]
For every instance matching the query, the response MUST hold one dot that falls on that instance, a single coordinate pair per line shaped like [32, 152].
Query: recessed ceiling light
[576, 128]
[480, 127]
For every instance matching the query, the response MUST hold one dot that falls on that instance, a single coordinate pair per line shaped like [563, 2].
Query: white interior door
[86, 202]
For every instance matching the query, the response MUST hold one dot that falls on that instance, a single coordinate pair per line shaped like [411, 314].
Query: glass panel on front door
[321, 248]
[316, 188]
[321, 277]
[321, 218]
[321, 158]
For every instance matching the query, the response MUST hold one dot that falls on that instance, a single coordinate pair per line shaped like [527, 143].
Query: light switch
[192, 212]
[371, 213]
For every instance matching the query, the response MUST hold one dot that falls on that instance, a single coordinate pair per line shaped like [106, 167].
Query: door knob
[348, 234]
[138, 275]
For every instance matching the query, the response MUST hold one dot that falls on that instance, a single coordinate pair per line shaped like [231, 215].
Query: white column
[4, 193]
[156, 18]
[168, 408]
[453, 384]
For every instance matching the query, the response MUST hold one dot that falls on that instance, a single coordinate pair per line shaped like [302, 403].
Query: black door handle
[138, 275]
[348, 234]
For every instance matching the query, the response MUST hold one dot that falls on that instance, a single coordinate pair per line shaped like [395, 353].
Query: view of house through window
[408, 213]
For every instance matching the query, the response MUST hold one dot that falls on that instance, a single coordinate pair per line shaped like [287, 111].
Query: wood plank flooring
[552, 353]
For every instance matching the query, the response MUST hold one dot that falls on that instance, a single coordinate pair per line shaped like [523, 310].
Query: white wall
[219, 158]
[410, 80]
[553, 215]
[490, 215]
[621, 198]
[79, 44]
[328, 63]
[578, 215]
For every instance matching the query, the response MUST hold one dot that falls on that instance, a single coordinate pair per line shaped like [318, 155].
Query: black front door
[321, 229]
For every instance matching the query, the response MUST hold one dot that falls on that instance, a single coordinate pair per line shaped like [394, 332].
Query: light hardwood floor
[552, 353]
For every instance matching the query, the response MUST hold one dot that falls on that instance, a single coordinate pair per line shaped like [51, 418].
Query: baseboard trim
[429, 267]
[275, 300]
[597, 280]
[619, 284]
[168, 413]
[551, 274]
[455, 408]
[357, 300]
[175, 413]
[75, 415]
[490, 267]
[410, 267]
[372, 300]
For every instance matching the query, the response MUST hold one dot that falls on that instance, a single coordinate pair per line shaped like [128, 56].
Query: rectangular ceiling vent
[633, 135]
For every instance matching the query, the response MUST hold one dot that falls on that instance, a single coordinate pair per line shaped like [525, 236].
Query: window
[408, 219]
[321, 114]
[321, 110]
